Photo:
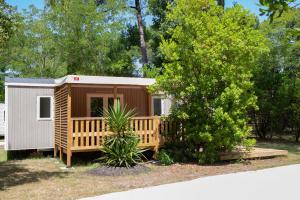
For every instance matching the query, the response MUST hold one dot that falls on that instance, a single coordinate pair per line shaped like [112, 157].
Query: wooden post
[55, 116]
[115, 96]
[60, 145]
[157, 131]
[60, 154]
[70, 127]
[55, 151]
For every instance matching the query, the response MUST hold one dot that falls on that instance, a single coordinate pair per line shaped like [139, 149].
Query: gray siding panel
[24, 130]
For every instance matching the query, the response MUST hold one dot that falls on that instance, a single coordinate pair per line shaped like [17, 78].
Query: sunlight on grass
[3, 156]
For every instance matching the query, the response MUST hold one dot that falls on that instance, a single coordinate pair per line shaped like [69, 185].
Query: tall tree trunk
[141, 32]
[221, 3]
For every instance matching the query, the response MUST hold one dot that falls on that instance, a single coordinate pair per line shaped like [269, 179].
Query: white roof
[78, 79]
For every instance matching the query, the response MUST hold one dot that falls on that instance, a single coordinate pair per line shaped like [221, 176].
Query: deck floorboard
[254, 153]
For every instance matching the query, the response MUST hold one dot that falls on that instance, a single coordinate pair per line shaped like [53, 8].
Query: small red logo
[76, 78]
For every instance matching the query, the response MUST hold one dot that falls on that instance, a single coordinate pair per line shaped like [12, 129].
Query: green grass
[3, 155]
[292, 147]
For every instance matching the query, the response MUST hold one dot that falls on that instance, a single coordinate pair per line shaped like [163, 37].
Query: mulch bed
[118, 171]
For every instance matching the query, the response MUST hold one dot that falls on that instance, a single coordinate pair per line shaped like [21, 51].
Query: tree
[209, 59]
[32, 51]
[140, 24]
[272, 7]
[77, 37]
[277, 82]
[86, 33]
[8, 19]
[221, 3]
[158, 10]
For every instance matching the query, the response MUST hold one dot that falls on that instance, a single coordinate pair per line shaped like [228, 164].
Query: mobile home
[66, 114]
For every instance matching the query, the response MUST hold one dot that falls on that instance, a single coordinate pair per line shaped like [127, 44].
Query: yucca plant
[121, 149]
[118, 119]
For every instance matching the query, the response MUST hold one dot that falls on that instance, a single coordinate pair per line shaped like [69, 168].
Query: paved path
[281, 183]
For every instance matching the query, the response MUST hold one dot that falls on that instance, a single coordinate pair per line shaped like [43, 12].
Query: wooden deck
[254, 153]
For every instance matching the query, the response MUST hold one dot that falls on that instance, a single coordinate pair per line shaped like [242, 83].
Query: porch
[79, 122]
[89, 134]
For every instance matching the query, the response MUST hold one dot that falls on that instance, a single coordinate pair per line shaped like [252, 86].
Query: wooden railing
[90, 133]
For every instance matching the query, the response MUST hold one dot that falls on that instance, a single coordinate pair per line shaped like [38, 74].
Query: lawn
[46, 178]
[3, 155]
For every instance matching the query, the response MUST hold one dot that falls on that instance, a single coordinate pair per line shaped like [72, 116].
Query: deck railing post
[157, 134]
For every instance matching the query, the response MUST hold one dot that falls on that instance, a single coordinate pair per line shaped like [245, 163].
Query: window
[111, 102]
[44, 108]
[157, 106]
[98, 103]
[96, 107]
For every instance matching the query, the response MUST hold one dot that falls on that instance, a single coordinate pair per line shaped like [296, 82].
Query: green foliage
[181, 151]
[271, 8]
[8, 21]
[121, 149]
[158, 9]
[209, 59]
[164, 158]
[86, 33]
[71, 37]
[118, 119]
[32, 50]
[277, 83]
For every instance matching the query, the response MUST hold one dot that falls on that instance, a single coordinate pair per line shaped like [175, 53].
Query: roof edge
[92, 80]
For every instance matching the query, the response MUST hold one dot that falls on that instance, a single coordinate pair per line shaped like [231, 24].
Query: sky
[248, 4]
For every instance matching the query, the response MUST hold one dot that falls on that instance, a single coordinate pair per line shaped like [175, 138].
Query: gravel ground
[118, 171]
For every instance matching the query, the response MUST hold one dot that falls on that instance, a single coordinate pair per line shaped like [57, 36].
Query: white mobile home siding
[24, 130]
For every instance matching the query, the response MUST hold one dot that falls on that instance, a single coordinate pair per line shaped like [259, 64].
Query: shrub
[164, 158]
[212, 91]
[121, 149]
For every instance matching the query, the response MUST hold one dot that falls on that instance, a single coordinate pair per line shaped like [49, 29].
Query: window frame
[161, 97]
[105, 97]
[38, 108]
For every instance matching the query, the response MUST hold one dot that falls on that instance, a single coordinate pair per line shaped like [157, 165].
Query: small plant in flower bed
[121, 149]
[180, 151]
[164, 158]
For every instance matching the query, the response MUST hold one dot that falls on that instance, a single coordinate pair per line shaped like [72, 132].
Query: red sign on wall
[76, 78]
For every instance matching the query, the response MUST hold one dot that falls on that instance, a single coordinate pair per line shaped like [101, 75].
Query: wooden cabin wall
[61, 117]
[136, 97]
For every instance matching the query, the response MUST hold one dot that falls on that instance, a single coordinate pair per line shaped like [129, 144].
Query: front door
[98, 103]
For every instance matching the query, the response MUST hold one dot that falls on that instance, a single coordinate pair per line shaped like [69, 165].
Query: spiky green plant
[121, 149]
[118, 119]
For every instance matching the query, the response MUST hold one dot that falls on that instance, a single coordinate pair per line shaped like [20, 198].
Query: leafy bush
[164, 158]
[180, 151]
[121, 149]
[213, 91]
